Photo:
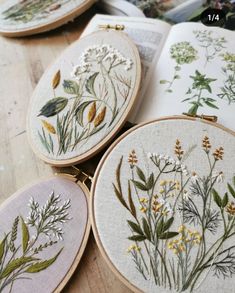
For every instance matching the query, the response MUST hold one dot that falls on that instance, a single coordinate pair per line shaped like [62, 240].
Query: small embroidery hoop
[111, 265]
[86, 234]
[99, 146]
[49, 25]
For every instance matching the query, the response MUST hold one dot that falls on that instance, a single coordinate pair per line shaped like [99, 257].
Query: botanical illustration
[181, 227]
[92, 99]
[21, 249]
[198, 95]
[228, 90]
[182, 53]
[212, 44]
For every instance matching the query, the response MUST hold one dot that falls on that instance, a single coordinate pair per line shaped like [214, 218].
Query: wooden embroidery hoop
[50, 24]
[123, 279]
[105, 141]
[83, 245]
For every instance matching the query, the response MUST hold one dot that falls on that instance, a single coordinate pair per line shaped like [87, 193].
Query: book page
[195, 75]
[149, 35]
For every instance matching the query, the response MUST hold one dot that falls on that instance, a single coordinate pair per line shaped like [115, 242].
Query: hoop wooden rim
[86, 232]
[123, 279]
[50, 25]
[100, 145]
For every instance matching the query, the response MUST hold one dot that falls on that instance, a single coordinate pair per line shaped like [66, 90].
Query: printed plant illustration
[99, 89]
[228, 90]
[29, 10]
[182, 53]
[172, 214]
[212, 44]
[21, 249]
[198, 93]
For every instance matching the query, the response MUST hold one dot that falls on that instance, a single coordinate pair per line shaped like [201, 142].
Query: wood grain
[22, 63]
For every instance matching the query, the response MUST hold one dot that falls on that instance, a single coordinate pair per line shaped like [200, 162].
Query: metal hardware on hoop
[210, 118]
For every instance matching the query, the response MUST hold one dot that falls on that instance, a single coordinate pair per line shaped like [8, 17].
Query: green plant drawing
[182, 53]
[100, 85]
[178, 211]
[212, 44]
[31, 10]
[21, 248]
[198, 93]
[228, 90]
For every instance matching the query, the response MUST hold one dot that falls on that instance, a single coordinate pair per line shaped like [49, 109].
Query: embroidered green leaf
[160, 227]
[168, 224]
[53, 107]
[97, 129]
[119, 196]
[137, 238]
[163, 81]
[168, 235]
[231, 190]
[225, 200]
[146, 229]
[140, 185]
[2, 247]
[217, 198]
[71, 87]
[80, 111]
[150, 182]
[15, 264]
[90, 84]
[135, 227]
[40, 266]
[25, 235]
[140, 173]
[131, 203]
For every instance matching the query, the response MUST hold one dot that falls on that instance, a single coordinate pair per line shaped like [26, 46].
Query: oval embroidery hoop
[62, 206]
[71, 118]
[109, 215]
[14, 20]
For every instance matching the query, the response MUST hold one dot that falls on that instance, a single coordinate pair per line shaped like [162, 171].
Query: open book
[187, 68]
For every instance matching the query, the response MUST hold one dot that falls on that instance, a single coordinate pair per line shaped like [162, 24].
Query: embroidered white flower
[110, 56]
[218, 176]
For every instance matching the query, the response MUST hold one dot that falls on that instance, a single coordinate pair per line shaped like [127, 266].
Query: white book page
[149, 35]
[164, 98]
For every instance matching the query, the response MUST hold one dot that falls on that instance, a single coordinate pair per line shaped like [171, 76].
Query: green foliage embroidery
[228, 90]
[169, 231]
[213, 45]
[182, 53]
[19, 260]
[198, 93]
[98, 91]
[32, 10]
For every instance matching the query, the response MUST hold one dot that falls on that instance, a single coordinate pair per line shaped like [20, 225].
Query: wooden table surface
[22, 63]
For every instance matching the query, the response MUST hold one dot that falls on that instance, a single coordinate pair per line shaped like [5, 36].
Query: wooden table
[22, 63]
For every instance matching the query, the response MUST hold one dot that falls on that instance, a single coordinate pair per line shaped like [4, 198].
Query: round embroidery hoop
[108, 93]
[63, 254]
[111, 236]
[55, 17]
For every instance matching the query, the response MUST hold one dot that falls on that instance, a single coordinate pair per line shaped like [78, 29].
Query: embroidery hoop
[50, 24]
[86, 234]
[105, 140]
[105, 255]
